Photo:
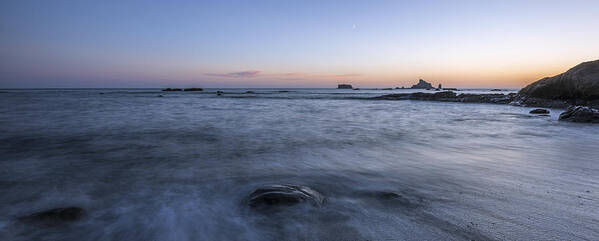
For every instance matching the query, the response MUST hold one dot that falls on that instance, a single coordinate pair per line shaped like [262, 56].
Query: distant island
[344, 86]
[422, 85]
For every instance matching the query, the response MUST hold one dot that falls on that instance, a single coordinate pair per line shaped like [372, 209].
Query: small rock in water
[250, 92]
[539, 111]
[219, 92]
[580, 114]
[55, 216]
[275, 195]
[193, 89]
[172, 89]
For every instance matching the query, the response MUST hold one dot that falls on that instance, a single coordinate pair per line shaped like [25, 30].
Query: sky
[283, 43]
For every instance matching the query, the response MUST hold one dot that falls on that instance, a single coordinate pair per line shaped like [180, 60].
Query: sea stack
[422, 85]
[344, 86]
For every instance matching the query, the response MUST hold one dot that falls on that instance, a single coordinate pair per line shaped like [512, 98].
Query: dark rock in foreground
[450, 96]
[577, 86]
[539, 111]
[276, 195]
[193, 89]
[580, 114]
[344, 86]
[55, 216]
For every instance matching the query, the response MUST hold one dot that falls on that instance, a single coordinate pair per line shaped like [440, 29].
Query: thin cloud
[345, 75]
[287, 75]
[240, 74]
[307, 75]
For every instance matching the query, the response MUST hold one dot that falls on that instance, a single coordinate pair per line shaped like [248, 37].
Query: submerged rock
[399, 199]
[219, 92]
[580, 114]
[276, 195]
[250, 92]
[539, 111]
[55, 216]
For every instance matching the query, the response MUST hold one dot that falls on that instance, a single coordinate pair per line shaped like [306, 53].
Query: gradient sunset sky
[292, 43]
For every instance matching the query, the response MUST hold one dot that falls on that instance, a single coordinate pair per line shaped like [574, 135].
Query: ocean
[151, 165]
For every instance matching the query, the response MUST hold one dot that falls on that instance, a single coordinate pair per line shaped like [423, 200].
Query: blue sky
[292, 43]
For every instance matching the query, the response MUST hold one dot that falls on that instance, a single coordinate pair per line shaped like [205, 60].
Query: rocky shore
[576, 89]
[450, 96]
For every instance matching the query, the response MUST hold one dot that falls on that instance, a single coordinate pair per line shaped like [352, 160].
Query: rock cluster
[580, 114]
[450, 96]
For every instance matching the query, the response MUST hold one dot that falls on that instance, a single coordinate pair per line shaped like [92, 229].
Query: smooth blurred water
[179, 167]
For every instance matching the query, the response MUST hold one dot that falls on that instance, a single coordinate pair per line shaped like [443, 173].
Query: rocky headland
[577, 86]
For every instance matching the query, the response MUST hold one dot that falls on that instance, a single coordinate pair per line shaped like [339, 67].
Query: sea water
[153, 165]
